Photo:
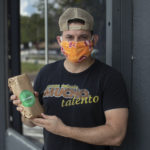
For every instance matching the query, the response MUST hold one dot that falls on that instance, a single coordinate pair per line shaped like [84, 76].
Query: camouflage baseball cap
[76, 13]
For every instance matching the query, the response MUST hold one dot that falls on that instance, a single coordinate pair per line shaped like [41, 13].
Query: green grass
[30, 67]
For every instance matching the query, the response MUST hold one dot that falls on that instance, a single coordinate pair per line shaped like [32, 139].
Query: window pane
[32, 52]
[33, 38]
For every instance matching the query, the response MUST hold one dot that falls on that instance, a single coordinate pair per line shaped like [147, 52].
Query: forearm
[27, 121]
[111, 133]
[101, 135]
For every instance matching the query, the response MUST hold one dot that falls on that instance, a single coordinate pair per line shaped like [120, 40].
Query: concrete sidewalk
[35, 134]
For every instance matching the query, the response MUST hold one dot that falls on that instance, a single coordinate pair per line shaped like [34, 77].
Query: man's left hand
[51, 123]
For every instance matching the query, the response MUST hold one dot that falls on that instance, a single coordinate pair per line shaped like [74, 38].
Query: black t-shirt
[79, 99]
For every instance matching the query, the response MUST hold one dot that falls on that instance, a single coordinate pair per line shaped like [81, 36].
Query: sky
[26, 7]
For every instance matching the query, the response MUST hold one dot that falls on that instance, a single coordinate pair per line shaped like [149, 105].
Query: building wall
[134, 63]
[140, 103]
[138, 135]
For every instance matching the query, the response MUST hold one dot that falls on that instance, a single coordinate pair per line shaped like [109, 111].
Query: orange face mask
[76, 51]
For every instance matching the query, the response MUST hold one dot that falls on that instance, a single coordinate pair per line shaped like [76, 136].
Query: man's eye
[83, 38]
[69, 37]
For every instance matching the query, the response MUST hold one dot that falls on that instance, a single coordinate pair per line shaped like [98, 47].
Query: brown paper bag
[22, 88]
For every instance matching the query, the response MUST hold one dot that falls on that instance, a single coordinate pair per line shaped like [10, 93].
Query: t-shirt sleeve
[115, 93]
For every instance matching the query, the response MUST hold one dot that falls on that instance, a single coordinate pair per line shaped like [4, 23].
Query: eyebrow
[79, 35]
[68, 35]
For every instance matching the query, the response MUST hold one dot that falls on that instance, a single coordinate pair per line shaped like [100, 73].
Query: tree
[32, 28]
[55, 9]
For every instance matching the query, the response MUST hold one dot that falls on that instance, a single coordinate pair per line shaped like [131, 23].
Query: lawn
[30, 67]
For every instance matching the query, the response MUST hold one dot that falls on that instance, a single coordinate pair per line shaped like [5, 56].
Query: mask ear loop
[92, 39]
[61, 38]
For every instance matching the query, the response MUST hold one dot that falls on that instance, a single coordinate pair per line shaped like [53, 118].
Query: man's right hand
[19, 108]
[17, 103]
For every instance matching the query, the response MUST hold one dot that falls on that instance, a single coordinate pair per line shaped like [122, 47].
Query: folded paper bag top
[21, 87]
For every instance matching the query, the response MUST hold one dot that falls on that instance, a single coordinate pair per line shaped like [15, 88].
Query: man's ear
[58, 39]
[95, 38]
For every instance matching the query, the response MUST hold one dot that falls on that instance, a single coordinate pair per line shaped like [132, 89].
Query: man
[85, 100]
